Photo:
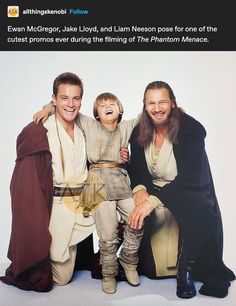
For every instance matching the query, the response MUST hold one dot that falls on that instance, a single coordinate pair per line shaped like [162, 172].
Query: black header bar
[117, 26]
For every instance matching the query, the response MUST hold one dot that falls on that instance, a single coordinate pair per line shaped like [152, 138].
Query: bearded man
[169, 168]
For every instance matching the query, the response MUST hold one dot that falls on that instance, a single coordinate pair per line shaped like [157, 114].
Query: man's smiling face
[158, 105]
[67, 102]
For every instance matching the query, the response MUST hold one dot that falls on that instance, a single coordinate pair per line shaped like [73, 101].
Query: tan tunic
[67, 224]
[103, 146]
[162, 167]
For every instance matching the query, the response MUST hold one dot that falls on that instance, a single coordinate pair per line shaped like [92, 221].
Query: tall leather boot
[185, 285]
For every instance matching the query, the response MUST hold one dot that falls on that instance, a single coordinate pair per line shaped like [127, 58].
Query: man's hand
[43, 114]
[138, 214]
[140, 197]
[124, 154]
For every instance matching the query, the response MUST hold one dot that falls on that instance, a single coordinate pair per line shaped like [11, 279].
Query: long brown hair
[146, 126]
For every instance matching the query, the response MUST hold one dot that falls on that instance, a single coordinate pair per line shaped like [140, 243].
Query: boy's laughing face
[108, 111]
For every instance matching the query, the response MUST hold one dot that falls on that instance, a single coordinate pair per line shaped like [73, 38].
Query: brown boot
[109, 284]
[130, 273]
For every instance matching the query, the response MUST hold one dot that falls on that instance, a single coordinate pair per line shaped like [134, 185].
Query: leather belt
[66, 191]
[106, 165]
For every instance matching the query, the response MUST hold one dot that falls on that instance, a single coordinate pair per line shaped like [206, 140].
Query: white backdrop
[203, 82]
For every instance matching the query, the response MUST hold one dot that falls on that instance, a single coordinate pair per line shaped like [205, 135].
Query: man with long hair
[169, 168]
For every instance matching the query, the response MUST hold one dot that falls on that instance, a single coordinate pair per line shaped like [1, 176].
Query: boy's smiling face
[108, 111]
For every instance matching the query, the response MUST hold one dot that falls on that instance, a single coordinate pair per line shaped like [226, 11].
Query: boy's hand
[43, 114]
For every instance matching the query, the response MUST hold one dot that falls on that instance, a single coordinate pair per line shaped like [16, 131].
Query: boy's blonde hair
[107, 96]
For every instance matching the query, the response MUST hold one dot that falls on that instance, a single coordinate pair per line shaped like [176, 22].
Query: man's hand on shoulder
[124, 154]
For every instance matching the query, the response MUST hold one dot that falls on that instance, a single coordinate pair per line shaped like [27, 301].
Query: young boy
[108, 189]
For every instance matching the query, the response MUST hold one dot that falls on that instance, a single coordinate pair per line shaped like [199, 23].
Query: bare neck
[69, 127]
[111, 126]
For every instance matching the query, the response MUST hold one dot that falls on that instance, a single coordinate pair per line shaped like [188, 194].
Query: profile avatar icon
[13, 11]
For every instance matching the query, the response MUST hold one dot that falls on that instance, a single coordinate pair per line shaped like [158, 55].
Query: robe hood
[31, 140]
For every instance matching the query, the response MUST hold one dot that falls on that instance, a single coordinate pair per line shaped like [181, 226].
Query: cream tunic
[161, 163]
[67, 224]
[103, 146]
[162, 166]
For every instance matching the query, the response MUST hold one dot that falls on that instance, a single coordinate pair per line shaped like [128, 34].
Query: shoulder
[83, 117]
[130, 122]
[86, 122]
[190, 126]
[32, 139]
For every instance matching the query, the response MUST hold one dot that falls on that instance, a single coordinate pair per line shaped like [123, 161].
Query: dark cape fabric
[31, 199]
[190, 197]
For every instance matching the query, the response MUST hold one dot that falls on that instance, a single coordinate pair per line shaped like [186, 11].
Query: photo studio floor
[85, 291]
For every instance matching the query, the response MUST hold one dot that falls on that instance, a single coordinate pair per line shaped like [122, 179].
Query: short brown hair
[107, 96]
[67, 78]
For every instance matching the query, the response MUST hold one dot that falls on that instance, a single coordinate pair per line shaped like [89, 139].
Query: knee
[61, 274]
[62, 280]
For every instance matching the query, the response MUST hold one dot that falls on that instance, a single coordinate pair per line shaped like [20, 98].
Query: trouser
[68, 227]
[63, 271]
[106, 220]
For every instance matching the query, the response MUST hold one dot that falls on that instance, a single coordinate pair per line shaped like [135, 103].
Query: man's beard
[161, 123]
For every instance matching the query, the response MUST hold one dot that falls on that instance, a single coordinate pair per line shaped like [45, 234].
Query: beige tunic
[67, 224]
[162, 167]
[103, 146]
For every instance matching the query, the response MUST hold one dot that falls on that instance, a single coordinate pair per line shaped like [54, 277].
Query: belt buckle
[57, 193]
[86, 212]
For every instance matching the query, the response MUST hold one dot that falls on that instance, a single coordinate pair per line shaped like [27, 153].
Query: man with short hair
[47, 215]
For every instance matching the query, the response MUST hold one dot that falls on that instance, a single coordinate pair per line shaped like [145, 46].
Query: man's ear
[54, 101]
